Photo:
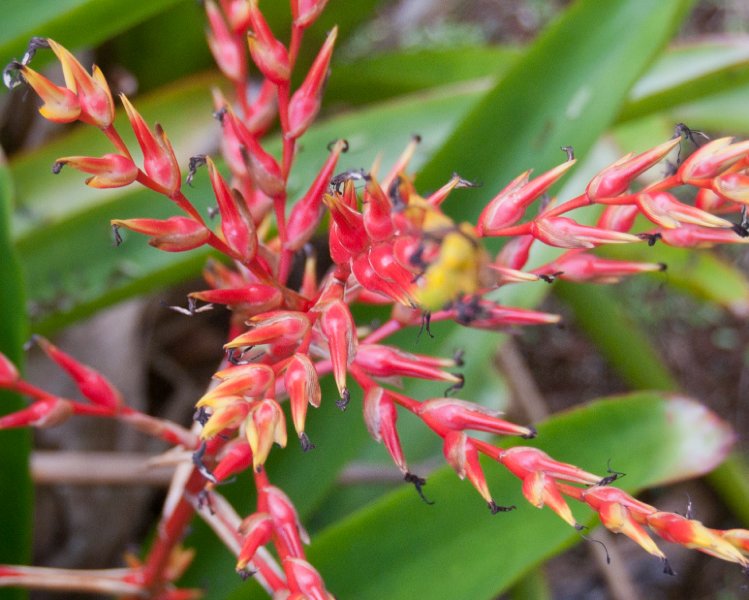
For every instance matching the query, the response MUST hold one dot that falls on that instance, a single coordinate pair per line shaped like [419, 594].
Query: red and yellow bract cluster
[387, 245]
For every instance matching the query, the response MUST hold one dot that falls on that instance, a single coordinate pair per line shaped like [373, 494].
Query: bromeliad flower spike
[388, 245]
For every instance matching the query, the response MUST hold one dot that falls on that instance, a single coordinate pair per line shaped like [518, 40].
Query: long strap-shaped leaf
[566, 90]
[15, 481]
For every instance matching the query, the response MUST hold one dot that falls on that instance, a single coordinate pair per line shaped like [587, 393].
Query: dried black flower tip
[667, 567]
[306, 443]
[533, 433]
[418, 483]
[220, 114]
[197, 460]
[466, 183]
[458, 357]
[345, 398]
[117, 235]
[496, 508]
[245, 573]
[651, 238]
[458, 385]
[570, 151]
[35, 43]
[196, 162]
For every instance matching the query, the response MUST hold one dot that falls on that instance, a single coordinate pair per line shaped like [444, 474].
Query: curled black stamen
[496, 508]
[12, 76]
[570, 151]
[35, 43]
[531, 434]
[234, 356]
[426, 322]
[117, 235]
[306, 443]
[458, 385]
[197, 460]
[337, 181]
[590, 539]
[418, 483]
[57, 167]
[246, 573]
[195, 162]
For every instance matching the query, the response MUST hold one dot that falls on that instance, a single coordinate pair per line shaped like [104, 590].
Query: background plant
[96, 284]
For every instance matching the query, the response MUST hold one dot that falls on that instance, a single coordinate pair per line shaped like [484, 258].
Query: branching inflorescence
[388, 245]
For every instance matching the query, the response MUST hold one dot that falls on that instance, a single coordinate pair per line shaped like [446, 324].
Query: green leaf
[14, 470]
[455, 549]
[398, 73]
[73, 23]
[688, 73]
[566, 89]
[61, 223]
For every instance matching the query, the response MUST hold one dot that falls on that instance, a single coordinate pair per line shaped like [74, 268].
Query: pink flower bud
[339, 328]
[270, 55]
[286, 523]
[443, 415]
[514, 253]
[307, 213]
[461, 454]
[303, 386]
[277, 327]
[265, 424]
[252, 298]
[45, 413]
[61, 105]
[225, 46]
[92, 384]
[581, 266]
[731, 186]
[94, 97]
[739, 538]
[228, 413]
[707, 199]
[109, 171]
[615, 180]
[9, 375]
[237, 14]
[380, 417]
[496, 317]
[264, 169]
[618, 518]
[236, 221]
[348, 225]
[235, 458]
[305, 102]
[385, 361]
[692, 236]
[523, 460]
[175, 234]
[563, 232]
[694, 535]
[246, 381]
[665, 210]
[618, 217]
[258, 531]
[711, 160]
[305, 583]
[508, 207]
[159, 161]
[305, 12]
[377, 212]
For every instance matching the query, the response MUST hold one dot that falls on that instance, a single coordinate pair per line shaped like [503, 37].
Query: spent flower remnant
[387, 245]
